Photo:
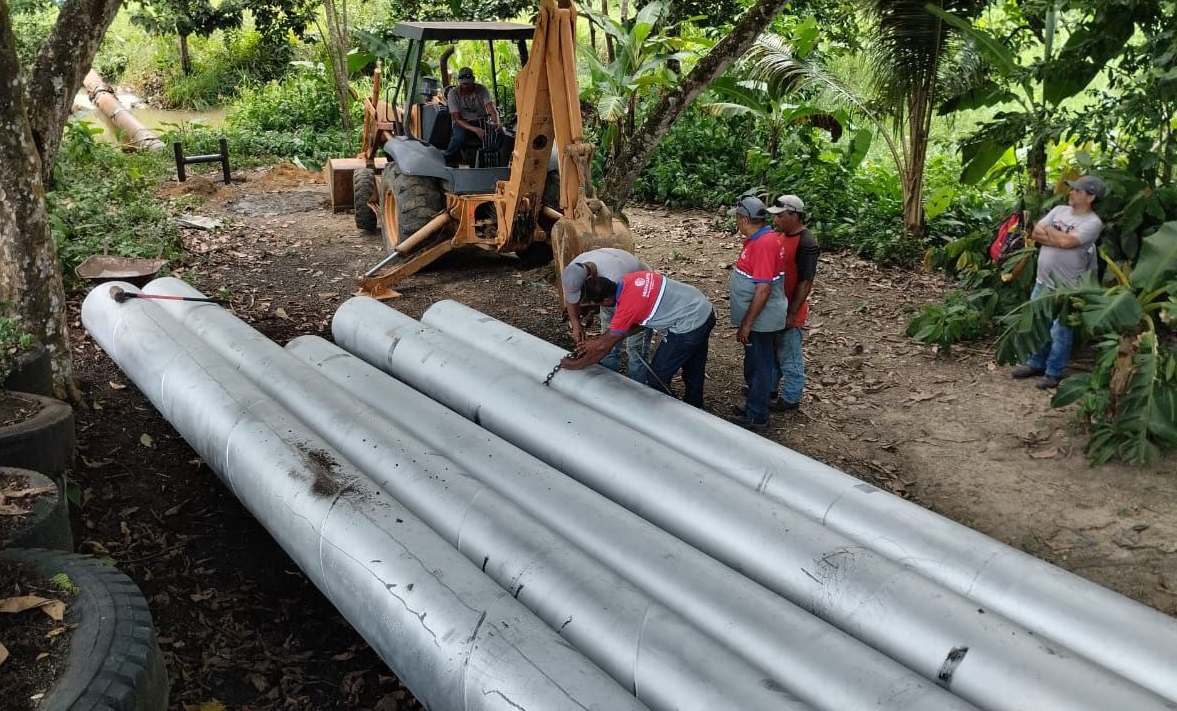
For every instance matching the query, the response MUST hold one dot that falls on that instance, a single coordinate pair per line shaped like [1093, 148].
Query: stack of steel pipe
[661, 576]
[1126, 637]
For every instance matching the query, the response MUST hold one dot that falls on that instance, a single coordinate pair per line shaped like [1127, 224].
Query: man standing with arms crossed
[613, 264]
[758, 308]
[800, 263]
[1066, 237]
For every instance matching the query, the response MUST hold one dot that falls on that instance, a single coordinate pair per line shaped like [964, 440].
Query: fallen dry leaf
[1044, 453]
[146, 441]
[115, 385]
[3, 653]
[280, 313]
[54, 608]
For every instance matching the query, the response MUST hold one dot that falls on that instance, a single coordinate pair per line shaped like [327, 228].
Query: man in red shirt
[758, 308]
[647, 299]
[800, 265]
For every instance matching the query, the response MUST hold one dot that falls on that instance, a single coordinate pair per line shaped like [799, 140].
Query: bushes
[101, 201]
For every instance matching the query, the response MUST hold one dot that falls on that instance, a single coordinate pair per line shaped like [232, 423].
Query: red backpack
[1011, 236]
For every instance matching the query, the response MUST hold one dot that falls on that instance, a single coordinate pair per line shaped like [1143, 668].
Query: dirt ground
[239, 623]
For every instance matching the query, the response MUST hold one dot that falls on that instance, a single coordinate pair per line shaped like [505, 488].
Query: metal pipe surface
[651, 651]
[979, 655]
[456, 639]
[826, 667]
[1131, 639]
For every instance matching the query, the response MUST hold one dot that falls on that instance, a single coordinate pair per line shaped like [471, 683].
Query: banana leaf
[1158, 259]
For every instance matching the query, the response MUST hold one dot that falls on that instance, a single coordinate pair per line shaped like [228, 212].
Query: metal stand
[222, 158]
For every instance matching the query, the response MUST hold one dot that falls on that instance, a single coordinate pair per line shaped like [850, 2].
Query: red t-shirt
[638, 295]
[761, 258]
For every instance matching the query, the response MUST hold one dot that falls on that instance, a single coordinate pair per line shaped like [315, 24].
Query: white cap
[787, 203]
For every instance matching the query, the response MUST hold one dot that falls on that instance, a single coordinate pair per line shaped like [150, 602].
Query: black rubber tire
[47, 524]
[115, 662]
[536, 254]
[32, 373]
[363, 186]
[44, 443]
[407, 203]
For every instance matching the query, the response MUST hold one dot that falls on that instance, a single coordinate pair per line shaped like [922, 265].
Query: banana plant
[646, 58]
[1129, 399]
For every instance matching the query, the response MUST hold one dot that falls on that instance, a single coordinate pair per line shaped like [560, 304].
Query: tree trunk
[57, 73]
[185, 57]
[610, 52]
[30, 272]
[1036, 166]
[337, 31]
[919, 119]
[32, 118]
[622, 173]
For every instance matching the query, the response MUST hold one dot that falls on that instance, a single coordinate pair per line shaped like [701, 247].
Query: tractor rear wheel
[407, 203]
[363, 186]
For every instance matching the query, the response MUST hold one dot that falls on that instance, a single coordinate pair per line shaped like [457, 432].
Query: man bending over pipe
[651, 300]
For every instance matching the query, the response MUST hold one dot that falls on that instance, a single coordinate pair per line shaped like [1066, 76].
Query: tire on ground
[363, 185]
[32, 373]
[407, 202]
[45, 442]
[114, 660]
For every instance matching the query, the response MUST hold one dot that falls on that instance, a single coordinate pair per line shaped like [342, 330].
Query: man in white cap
[758, 308]
[472, 110]
[613, 264]
[800, 266]
[1066, 238]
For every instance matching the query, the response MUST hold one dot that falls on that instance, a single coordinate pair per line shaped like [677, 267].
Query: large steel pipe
[667, 663]
[826, 667]
[456, 639]
[1120, 634]
[980, 656]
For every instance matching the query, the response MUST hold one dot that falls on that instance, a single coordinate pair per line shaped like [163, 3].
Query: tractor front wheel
[407, 203]
[363, 185]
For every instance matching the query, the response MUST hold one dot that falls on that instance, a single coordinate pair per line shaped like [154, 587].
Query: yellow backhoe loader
[496, 201]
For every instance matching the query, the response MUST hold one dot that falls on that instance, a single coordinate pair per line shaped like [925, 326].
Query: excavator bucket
[573, 236]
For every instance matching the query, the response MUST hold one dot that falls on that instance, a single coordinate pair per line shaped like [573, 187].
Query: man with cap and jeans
[472, 111]
[758, 307]
[1066, 239]
[651, 300]
[613, 264]
[800, 265]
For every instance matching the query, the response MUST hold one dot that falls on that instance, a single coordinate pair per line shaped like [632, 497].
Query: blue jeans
[760, 373]
[459, 134]
[790, 364]
[685, 351]
[1054, 355]
[637, 350]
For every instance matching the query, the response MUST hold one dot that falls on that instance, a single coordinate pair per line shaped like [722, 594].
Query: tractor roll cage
[418, 33]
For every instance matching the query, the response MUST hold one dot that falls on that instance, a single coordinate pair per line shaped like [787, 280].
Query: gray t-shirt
[472, 105]
[1067, 265]
[611, 263]
[682, 309]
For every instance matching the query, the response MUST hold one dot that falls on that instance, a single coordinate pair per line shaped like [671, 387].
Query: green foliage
[963, 316]
[102, 202]
[64, 583]
[31, 22]
[223, 65]
[302, 101]
[1129, 400]
[13, 338]
[305, 147]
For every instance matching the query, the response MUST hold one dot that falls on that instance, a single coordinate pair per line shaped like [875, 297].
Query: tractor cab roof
[446, 31]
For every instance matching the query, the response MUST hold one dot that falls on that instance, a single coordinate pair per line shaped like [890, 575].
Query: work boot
[1047, 382]
[747, 424]
[1026, 371]
[780, 405]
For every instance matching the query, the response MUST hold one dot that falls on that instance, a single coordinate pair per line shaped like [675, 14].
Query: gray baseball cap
[749, 206]
[788, 203]
[1089, 184]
